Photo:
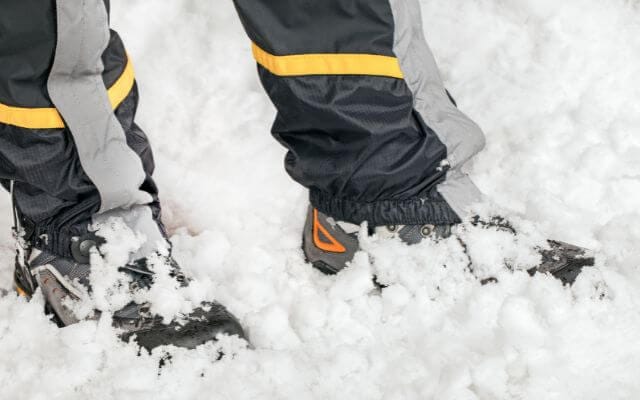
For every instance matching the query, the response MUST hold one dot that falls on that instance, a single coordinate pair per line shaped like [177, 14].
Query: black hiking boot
[329, 244]
[66, 280]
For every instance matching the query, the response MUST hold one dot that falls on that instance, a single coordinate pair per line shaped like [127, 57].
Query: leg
[69, 141]
[73, 156]
[370, 128]
[362, 109]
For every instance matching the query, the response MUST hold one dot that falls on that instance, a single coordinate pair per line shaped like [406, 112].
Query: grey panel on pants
[462, 137]
[77, 90]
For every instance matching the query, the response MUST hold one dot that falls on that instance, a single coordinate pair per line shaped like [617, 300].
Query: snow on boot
[329, 245]
[562, 260]
[65, 280]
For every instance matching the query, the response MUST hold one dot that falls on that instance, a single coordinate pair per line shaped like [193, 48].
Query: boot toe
[203, 325]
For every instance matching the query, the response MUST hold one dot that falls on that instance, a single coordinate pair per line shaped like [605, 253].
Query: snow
[554, 86]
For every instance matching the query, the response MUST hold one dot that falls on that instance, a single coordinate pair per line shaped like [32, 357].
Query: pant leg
[362, 109]
[68, 139]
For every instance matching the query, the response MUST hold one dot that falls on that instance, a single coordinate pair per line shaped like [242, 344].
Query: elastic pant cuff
[64, 241]
[431, 209]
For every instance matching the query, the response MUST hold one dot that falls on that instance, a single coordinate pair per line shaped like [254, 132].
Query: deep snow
[554, 86]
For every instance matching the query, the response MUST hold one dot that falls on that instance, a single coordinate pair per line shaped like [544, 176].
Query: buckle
[81, 247]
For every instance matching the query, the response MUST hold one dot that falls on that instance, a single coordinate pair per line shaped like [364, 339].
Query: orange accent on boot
[334, 246]
[21, 292]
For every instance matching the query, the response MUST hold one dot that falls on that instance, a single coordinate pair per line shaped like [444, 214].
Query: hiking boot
[64, 281]
[329, 244]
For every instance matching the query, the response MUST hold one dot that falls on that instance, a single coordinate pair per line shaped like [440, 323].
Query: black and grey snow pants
[69, 146]
[361, 108]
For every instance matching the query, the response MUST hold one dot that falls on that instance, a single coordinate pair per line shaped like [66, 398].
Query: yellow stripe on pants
[328, 64]
[49, 118]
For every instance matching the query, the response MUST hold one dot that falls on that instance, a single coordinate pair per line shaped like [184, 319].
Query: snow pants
[361, 107]
[69, 147]
[370, 128]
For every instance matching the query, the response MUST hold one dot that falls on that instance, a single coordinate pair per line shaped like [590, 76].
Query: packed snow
[554, 84]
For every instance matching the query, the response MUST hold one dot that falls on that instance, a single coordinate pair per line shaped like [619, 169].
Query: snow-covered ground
[554, 84]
